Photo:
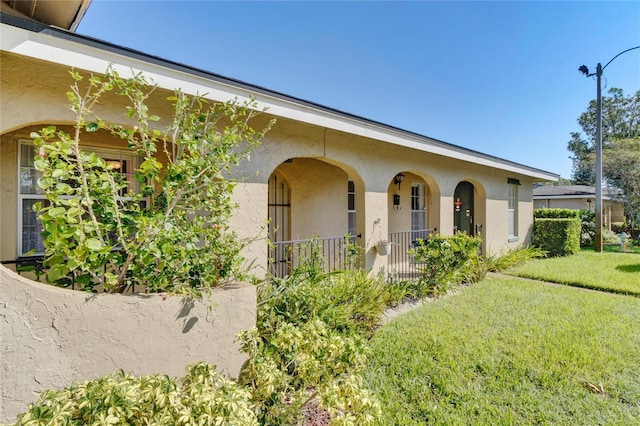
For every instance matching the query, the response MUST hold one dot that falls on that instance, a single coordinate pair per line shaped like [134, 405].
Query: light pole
[599, 68]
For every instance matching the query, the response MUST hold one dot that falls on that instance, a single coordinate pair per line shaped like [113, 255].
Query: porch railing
[401, 265]
[329, 254]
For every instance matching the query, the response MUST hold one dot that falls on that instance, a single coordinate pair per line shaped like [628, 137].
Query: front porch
[321, 211]
[343, 253]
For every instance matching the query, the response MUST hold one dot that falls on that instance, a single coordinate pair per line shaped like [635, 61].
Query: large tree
[620, 147]
[621, 166]
[620, 120]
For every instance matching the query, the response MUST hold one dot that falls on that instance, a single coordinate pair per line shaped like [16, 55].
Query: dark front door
[463, 208]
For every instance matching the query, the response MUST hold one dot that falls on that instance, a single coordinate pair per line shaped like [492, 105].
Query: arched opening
[464, 208]
[411, 216]
[314, 212]
[279, 208]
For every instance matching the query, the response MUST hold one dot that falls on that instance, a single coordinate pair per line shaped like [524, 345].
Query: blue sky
[496, 77]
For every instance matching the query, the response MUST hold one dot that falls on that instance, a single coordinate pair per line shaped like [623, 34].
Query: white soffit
[70, 53]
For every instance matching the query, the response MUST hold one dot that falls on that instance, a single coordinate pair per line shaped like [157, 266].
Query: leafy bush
[169, 233]
[202, 397]
[618, 227]
[292, 365]
[610, 237]
[310, 344]
[588, 232]
[559, 237]
[444, 261]
[480, 266]
[347, 301]
[556, 214]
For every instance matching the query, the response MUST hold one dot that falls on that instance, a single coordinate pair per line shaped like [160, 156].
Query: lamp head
[398, 179]
[584, 70]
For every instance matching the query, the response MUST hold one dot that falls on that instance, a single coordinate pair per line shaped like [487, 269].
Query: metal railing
[329, 254]
[33, 267]
[401, 265]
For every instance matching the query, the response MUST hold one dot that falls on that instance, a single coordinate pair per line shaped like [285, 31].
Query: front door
[463, 208]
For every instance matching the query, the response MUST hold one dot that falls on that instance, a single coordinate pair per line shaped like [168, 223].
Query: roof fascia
[557, 197]
[68, 49]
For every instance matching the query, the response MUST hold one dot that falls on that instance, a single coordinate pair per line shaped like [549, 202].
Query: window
[418, 207]
[351, 208]
[512, 210]
[30, 193]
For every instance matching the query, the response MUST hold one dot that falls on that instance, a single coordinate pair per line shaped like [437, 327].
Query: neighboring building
[319, 172]
[579, 197]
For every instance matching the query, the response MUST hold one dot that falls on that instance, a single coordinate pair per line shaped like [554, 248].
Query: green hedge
[559, 237]
[556, 214]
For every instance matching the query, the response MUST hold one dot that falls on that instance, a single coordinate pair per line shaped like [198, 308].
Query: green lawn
[609, 271]
[509, 351]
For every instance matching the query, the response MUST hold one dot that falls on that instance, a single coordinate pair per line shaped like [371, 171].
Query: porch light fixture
[598, 210]
[398, 179]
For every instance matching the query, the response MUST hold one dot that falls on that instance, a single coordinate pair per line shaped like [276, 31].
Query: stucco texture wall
[322, 162]
[51, 337]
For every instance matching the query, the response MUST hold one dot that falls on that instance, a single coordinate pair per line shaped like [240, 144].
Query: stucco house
[579, 197]
[319, 172]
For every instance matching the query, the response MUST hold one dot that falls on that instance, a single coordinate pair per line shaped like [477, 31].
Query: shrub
[444, 261]
[618, 227]
[610, 237]
[310, 343]
[559, 237]
[556, 214]
[95, 228]
[201, 397]
[588, 231]
[292, 365]
[350, 301]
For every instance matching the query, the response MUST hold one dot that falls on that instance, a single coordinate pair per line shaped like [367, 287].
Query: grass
[608, 271]
[508, 351]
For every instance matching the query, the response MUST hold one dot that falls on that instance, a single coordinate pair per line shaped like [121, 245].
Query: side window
[351, 208]
[30, 193]
[29, 227]
[418, 207]
[512, 210]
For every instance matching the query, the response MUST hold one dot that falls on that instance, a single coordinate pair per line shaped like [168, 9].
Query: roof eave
[58, 46]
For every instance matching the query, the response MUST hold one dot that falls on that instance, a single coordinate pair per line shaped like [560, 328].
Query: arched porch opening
[469, 208]
[315, 214]
[413, 214]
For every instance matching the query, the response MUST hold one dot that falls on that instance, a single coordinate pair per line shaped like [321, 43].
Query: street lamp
[583, 69]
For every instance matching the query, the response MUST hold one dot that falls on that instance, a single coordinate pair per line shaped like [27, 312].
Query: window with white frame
[418, 206]
[512, 210]
[351, 208]
[29, 226]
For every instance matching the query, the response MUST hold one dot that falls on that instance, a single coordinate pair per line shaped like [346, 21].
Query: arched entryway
[314, 209]
[411, 216]
[279, 208]
[464, 208]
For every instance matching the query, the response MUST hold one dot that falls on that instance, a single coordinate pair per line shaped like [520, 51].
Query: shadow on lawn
[629, 268]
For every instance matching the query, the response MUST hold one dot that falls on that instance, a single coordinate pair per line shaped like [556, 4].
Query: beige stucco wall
[323, 160]
[52, 336]
[569, 203]
[318, 198]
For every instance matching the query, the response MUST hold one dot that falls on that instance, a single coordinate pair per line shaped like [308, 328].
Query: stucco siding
[52, 336]
[317, 162]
